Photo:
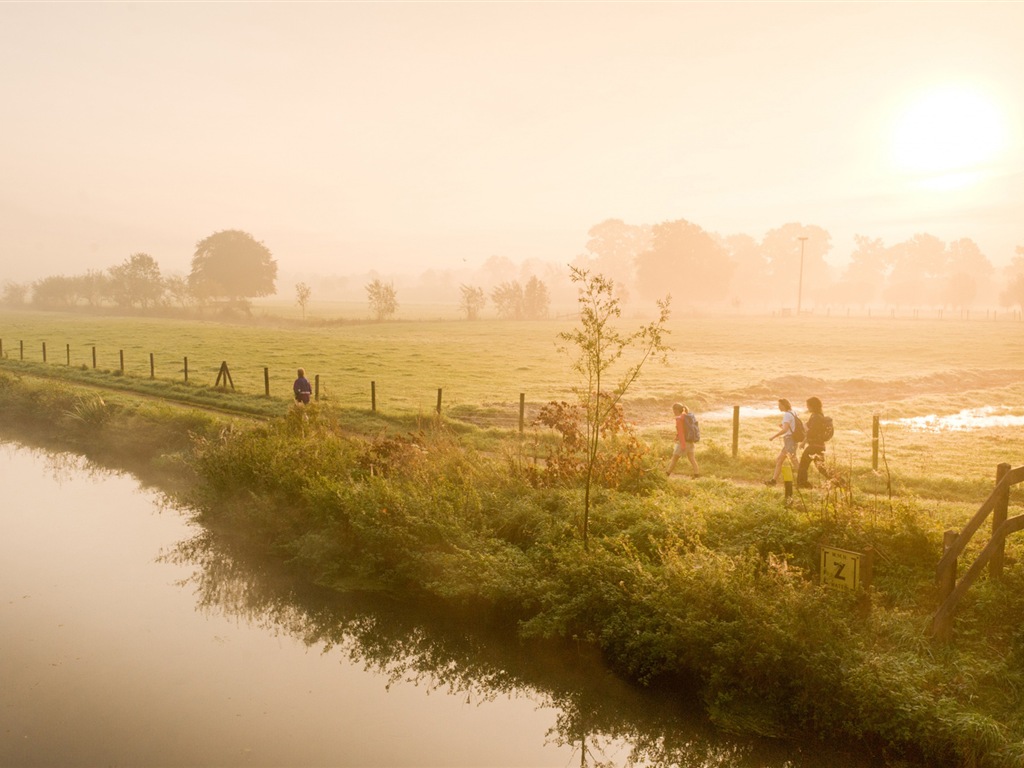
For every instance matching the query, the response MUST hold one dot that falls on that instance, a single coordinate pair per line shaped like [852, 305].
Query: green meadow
[900, 369]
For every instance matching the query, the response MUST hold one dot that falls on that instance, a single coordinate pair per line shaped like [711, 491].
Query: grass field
[901, 369]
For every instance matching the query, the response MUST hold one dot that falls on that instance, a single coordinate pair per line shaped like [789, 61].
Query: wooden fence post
[94, 357]
[225, 375]
[1, 348]
[522, 411]
[735, 431]
[186, 369]
[44, 351]
[373, 396]
[121, 351]
[152, 367]
[68, 351]
[439, 401]
[999, 511]
[266, 380]
[943, 627]
[316, 388]
[874, 441]
[21, 350]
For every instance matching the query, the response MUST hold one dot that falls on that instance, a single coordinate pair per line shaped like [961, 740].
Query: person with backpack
[791, 430]
[687, 433]
[819, 432]
[302, 388]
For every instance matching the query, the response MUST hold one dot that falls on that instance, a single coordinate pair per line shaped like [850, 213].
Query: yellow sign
[840, 568]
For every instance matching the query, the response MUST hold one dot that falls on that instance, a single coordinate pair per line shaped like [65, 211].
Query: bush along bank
[707, 586]
[712, 586]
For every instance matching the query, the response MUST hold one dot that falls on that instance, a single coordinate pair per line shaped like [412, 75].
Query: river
[130, 637]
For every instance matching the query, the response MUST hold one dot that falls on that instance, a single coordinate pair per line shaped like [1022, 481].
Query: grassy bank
[709, 584]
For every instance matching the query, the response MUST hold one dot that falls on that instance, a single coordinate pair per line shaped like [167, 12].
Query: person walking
[817, 435]
[682, 445]
[787, 431]
[302, 388]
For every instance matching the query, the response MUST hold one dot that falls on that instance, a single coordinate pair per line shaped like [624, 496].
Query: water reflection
[968, 419]
[105, 659]
[606, 722]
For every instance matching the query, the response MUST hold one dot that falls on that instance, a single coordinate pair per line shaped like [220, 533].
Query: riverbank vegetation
[707, 586]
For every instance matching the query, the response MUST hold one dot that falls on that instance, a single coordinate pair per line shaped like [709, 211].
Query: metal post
[874, 441]
[800, 288]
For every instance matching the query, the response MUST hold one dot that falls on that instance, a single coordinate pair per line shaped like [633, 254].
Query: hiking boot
[804, 485]
[770, 482]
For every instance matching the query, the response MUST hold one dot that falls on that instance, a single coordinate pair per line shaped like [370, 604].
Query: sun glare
[947, 136]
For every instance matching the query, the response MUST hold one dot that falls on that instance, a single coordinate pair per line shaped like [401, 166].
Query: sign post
[841, 568]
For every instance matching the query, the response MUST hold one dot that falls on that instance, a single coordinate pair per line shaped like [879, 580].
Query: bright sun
[947, 136]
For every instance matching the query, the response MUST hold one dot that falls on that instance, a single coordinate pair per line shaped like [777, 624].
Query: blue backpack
[691, 428]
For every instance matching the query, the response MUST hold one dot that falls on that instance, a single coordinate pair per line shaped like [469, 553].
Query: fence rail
[951, 591]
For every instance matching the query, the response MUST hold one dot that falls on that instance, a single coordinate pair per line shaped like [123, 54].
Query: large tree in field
[685, 261]
[232, 265]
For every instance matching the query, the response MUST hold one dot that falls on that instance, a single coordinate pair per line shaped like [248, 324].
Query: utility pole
[800, 286]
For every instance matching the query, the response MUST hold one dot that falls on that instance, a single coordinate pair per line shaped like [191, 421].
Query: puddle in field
[966, 420]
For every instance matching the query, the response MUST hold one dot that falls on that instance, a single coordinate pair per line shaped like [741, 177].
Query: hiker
[788, 433]
[682, 444]
[817, 434]
[301, 388]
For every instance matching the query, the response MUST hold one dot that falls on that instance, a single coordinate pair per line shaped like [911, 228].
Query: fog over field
[440, 144]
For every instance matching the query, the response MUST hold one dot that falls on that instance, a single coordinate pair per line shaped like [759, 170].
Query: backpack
[828, 430]
[799, 433]
[691, 428]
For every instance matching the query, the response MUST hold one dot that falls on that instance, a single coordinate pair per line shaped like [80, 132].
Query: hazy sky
[404, 136]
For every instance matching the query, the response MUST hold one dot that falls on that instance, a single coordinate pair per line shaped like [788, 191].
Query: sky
[403, 137]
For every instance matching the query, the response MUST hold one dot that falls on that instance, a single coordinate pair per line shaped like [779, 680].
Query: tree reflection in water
[607, 722]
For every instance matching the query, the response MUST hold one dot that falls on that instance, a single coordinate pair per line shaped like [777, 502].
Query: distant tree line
[697, 267]
[701, 267]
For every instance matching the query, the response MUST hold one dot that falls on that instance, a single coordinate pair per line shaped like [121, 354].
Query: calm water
[128, 637]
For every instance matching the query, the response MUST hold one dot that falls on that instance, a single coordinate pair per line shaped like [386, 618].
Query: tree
[1013, 294]
[177, 290]
[536, 301]
[383, 301]
[14, 294]
[136, 281]
[918, 265]
[508, 300]
[865, 274]
[684, 260]
[968, 272]
[473, 300]
[232, 265]
[54, 291]
[612, 250]
[302, 294]
[599, 347]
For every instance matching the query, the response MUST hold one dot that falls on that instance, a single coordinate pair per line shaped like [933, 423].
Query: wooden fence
[952, 591]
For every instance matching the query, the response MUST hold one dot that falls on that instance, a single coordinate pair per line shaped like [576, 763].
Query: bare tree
[473, 300]
[383, 301]
[302, 294]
